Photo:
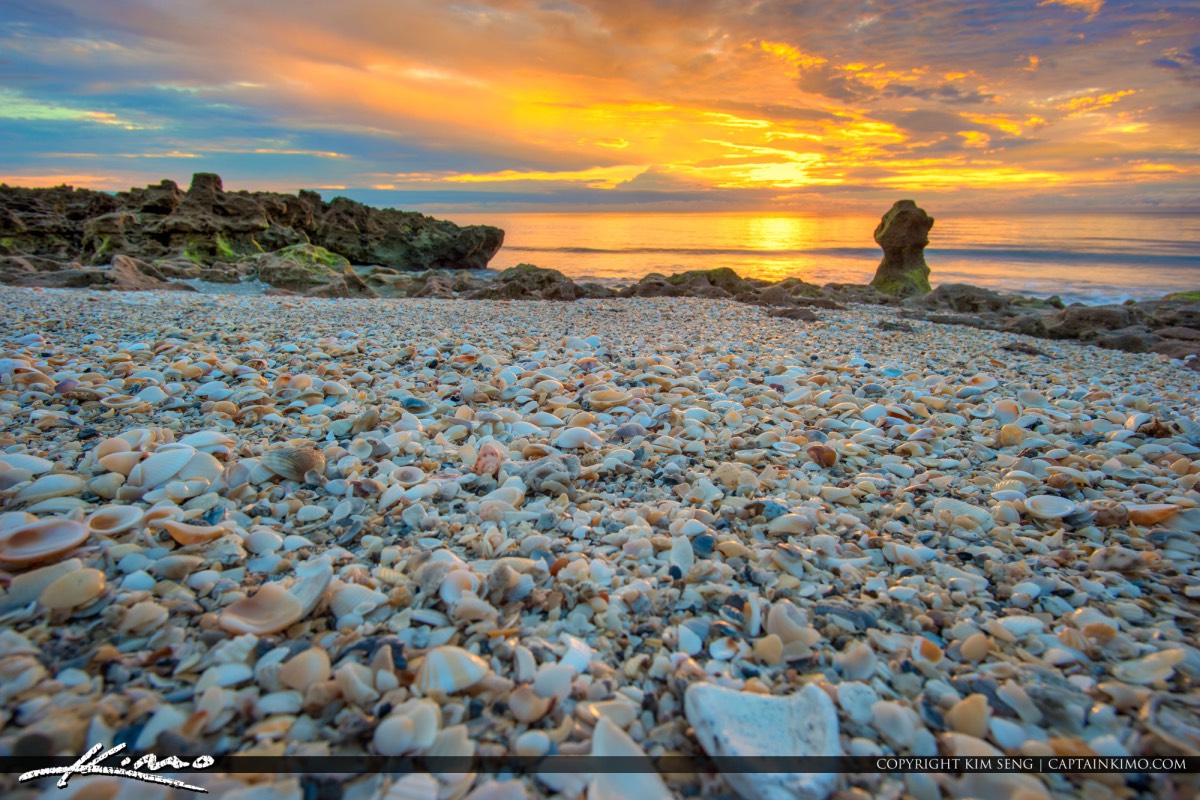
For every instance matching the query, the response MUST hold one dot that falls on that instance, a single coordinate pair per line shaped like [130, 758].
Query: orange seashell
[191, 534]
[822, 455]
[491, 457]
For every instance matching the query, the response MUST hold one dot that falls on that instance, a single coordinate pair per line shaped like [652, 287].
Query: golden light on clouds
[583, 101]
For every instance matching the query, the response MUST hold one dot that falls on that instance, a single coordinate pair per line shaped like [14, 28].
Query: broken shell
[490, 458]
[527, 706]
[187, 534]
[450, 669]
[577, 439]
[822, 455]
[306, 669]
[294, 463]
[411, 727]
[40, 541]
[273, 608]
[1145, 514]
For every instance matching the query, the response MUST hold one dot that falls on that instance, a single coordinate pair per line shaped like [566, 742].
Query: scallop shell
[450, 669]
[1048, 506]
[294, 463]
[49, 486]
[982, 519]
[187, 534]
[40, 541]
[113, 519]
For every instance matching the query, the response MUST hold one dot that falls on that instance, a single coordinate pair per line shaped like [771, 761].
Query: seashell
[293, 463]
[448, 669]
[187, 534]
[1107, 513]
[1005, 412]
[1033, 398]
[123, 462]
[408, 476]
[48, 486]
[577, 439]
[354, 598]
[1150, 514]
[489, 459]
[143, 618]
[984, 382]
[113, 519]
[72, 590]
[609, 740]
[729, 723]
[411, 727]
[160, 467]
[527, 706]
[306, 669]
[822, 455]
[40, 541]
[1048, 506]
[979, 517]
[32, 464]
[208, 441]
[1150, 669]
[457, 583]
[273, 607]
[606, 399]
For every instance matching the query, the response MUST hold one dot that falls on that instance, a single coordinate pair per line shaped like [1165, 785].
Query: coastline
[529, 527]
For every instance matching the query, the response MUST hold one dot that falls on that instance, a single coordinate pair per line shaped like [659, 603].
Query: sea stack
[903, 233]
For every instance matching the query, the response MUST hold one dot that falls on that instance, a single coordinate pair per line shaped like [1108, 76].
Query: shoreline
[504, 527]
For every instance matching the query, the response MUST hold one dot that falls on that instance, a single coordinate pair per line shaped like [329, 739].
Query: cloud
[703, 101]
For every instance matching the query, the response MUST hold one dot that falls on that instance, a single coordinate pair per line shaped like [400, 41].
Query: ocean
[1092, 258]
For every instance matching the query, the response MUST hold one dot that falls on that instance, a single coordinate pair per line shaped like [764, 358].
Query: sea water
[1089, 258]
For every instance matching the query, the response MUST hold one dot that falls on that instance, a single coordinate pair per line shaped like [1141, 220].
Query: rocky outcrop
[125, 274]
[206, 224]
[299, 267]
[349, 286]
[721, 283]
[903, 234]
[527, 282]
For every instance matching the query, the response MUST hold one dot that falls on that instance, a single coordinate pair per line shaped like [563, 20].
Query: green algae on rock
[903, 234]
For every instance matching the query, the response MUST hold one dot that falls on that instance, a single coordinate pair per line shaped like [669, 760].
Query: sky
[614, 105]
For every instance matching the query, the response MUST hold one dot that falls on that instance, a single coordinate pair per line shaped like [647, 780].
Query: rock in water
[903, 233]
[733, 723]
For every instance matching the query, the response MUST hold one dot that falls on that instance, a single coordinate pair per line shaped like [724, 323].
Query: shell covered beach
[269, 525]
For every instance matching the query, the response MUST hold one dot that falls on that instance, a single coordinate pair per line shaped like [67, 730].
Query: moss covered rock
[299, 267]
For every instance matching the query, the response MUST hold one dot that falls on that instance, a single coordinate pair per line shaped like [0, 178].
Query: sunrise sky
[613, 104]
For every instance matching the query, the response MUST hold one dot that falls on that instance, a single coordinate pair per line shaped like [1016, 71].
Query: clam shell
[33, 464]
[577, 439]
[1048, 506]
[187, 534]
[984, 382]
[49, 486]
[122, 462]
[306, 669]
[113, 519]
[74, 589]
[354, 598]
[411, 727]
[1005, 411]
[269, 610]
[294, 463]
[1150, 514]
[448, 669]
[160, 467]
[40, 541]
[409, 476]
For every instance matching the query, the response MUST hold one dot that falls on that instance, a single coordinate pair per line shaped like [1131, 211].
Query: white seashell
[609, 740]
[201, 467]
[208, 441]
[354, 598]
[741, 724]
[273, 607]
[113, 519]
[48, 486]
[449, 669]
[411, 727]
[409, 476]
[577, 439]
[306, 669]
[980, 516]
[1048, 506]
[32, 464]
[456, 583]
[1005, 411]
[1150, 669]
[160, 467]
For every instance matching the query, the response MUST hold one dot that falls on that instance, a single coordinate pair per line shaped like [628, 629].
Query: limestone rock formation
[207, 224]
[903, 234]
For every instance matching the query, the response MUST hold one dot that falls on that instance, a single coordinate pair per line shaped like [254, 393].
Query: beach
[283, 524]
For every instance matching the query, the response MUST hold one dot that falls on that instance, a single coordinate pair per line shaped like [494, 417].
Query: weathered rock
[124, 274]
[349, 286]
[787, 312]
[1131, 341]
[1191, 295]
[857, 293]
[963, 298]
[722, 283]
[207, 224]
[1087, 322]
[903, 234]
[299, 267]
[527, 282]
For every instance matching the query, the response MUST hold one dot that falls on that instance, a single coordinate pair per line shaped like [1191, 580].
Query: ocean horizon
[1088, 258]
